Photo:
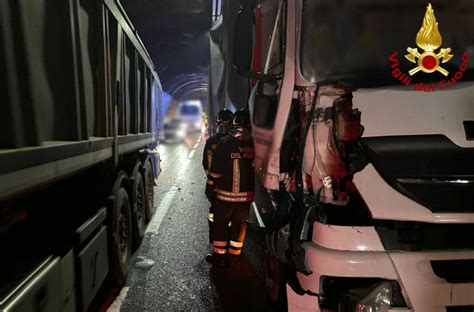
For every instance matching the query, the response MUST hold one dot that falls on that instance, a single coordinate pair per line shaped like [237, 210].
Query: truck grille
[429, 169]
[454, 271]
[411, 236]
[460, 309]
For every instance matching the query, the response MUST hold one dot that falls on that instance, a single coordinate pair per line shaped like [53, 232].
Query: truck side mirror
[243, 41]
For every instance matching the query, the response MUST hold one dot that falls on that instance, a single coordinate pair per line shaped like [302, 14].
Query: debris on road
[144, 264]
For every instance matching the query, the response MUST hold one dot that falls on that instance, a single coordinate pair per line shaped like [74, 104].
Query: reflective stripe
[236, 244]
[234, 194]
[234, 252]
[235, 199]
[210, 182]
[210, 217]
[219, 243]
[218, 250]
[215, 175]
[236, 176]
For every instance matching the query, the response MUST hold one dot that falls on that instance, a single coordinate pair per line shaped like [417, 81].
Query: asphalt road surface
[168, 271]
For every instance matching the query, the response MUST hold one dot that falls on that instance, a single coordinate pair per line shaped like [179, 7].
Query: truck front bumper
[422, 289]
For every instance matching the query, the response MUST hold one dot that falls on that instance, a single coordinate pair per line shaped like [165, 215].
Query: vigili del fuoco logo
[427, 58]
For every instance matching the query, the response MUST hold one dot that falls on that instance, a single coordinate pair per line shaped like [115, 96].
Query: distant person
[223, 126]
[223, 120]
[232, 173]
[205, 123]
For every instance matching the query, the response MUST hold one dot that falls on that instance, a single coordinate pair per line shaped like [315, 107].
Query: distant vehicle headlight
[181, 133]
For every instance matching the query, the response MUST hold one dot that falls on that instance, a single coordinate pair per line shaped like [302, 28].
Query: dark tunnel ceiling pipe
[177, 81]
[197, 94]
[186, 88]
[199, 91]
[186, 84]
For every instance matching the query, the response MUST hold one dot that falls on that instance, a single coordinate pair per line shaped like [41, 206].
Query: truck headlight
[381, 298]
[346, 294]
[377, 300]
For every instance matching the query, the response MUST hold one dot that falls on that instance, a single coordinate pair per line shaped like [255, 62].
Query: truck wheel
[121, 235]
[275, 280]
[149, 193]
[139, 208]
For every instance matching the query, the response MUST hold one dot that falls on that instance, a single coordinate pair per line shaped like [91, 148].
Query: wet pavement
[169, 271]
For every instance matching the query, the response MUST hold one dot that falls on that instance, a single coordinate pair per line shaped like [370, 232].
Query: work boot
[233, 260]
[216, 260]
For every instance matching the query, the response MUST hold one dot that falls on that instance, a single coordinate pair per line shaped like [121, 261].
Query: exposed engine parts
[333, 153]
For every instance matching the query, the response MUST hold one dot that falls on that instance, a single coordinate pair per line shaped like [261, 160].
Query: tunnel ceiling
[176, 35]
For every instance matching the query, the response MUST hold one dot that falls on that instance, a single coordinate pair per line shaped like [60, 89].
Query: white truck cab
[363, 123]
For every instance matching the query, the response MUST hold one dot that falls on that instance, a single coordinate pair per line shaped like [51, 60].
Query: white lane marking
[117, 304]
[165, 204]
[155, 222]
[160, 212]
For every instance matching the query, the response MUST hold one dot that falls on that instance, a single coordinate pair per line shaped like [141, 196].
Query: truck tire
[275, 281]
[149, 193]
[139, 207]
[120, 233]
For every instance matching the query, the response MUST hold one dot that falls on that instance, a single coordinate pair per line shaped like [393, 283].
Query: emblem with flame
[429, 40]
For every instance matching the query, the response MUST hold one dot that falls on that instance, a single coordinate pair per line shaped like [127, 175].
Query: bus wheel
[149, 193]
[120, 234]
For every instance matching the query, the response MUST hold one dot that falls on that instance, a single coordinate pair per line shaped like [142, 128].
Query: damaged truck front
[365, 180]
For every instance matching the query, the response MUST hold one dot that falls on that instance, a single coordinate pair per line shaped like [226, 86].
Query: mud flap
[155, 161]
[91, 258]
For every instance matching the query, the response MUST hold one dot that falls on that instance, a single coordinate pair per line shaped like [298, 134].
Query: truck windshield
[353, 39]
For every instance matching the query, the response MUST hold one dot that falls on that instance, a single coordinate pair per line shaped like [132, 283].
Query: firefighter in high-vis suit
[223, 126]
[233, 175]
[223, 121]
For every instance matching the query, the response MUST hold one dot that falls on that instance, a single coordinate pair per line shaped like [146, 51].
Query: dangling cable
[299, 167]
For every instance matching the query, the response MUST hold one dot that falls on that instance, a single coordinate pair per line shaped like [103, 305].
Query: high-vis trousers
[210, 221]
[211, 196]
[224, 240]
